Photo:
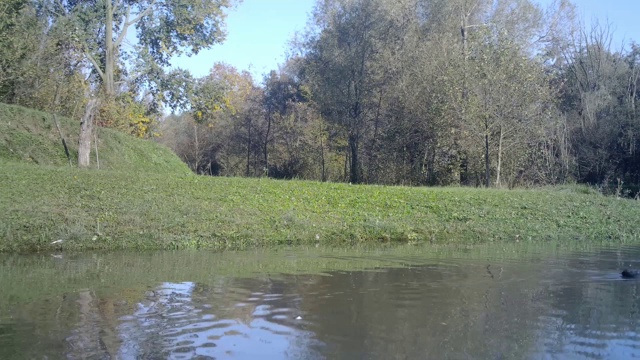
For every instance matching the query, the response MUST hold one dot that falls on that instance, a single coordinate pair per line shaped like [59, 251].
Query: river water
[488, 302]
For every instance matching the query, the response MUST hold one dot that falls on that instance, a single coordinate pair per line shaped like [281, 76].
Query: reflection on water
[411, 306]
[186, 320]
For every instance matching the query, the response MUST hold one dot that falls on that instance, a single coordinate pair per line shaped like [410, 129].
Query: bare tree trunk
[86, 127]
[95, 145]
[372, 154]
[354, 175]
[109, 85]
[248, 148]
[424, 168]
[566, 151]
[463, 32]
[56, 102]
[265, 150]
[64, 143]
[324, 174]
[499, 158]
[197, 148]
[487, 172]
[345, 173]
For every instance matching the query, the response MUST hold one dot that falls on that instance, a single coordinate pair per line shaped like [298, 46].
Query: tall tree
[164, 28]
[349, 63]
[600, 100]
[281, 92]
[345, 67]
[492, 81]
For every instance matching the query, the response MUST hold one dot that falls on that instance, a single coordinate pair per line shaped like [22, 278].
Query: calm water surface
[407, 303]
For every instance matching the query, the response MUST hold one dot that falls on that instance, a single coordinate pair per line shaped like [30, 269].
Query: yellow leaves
[139, 123]
[125, 114]
[140, 126]
[232, 109]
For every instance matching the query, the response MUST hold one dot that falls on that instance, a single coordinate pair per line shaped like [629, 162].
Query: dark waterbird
[630, 274]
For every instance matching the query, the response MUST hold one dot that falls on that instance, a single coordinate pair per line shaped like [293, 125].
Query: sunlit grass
[120, 210]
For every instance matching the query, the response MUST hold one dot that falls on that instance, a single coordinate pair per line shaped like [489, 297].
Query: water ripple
[547, 305]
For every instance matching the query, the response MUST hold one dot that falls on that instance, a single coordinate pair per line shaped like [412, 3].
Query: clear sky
[258, 34]
[622, 15]
[259, 31]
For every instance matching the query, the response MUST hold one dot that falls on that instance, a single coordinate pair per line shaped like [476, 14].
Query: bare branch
[95, 64]
[128, 23]
[146, 12]
[125, 27]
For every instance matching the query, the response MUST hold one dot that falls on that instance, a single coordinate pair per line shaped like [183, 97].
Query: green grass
[31, 136]
[143, 197]
[117, 210]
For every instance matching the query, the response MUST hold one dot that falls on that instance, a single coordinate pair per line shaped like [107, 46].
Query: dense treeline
[417, 92]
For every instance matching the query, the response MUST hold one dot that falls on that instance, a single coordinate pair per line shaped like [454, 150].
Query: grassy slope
[31, 136]
[148, 199]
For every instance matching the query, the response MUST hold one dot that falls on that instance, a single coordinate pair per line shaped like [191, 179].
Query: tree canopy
[163, 29]
[417, 92]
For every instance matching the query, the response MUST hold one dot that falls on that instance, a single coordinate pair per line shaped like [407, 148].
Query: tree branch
[95, 64]
[123, 33]
[128, 23]
[146, 12]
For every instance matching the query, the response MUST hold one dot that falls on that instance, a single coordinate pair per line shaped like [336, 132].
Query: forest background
[497, 93]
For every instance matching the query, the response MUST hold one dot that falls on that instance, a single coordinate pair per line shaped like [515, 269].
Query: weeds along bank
[143, 197]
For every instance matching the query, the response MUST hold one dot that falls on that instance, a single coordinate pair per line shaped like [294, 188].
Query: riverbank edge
[56, 209]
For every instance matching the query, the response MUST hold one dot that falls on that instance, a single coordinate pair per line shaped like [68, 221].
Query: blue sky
[259, 31]
[622, 15]
[258, 34]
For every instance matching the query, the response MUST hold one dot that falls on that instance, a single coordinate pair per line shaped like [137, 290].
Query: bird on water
[630, 274]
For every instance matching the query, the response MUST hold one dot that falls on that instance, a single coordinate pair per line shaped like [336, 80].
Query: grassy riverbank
[143, 197]
[114, 210]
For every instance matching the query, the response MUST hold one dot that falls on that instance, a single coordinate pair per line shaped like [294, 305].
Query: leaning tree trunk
[86, 128]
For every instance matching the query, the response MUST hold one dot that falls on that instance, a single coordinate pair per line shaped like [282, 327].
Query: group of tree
[415, 92]
[73, 57]
[237, 128]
